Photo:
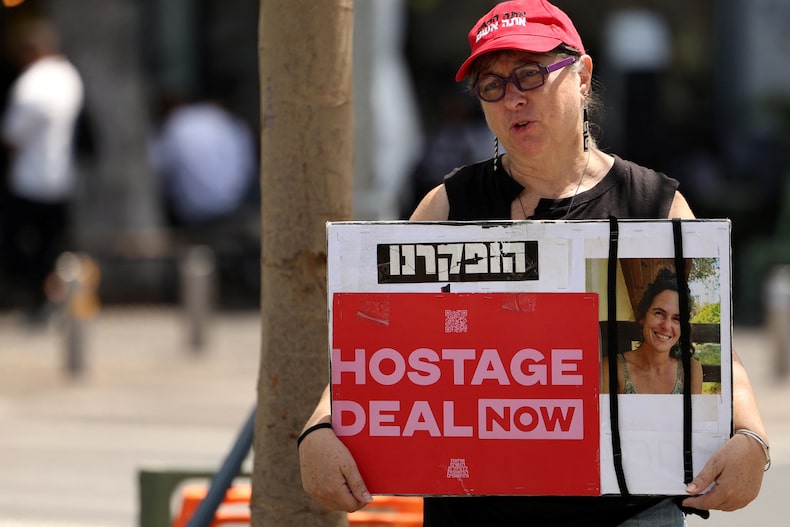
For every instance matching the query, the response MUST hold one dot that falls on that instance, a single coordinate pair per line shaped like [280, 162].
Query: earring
[586, 130]
[496, 151]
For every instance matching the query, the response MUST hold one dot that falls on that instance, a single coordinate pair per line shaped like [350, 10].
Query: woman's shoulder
[481, 191]
[648, 193]
[433, 207]
[472, 175]
[639, 174]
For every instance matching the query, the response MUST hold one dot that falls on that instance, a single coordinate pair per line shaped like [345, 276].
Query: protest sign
[466, 357]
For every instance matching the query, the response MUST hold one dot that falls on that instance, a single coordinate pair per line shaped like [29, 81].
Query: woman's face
[661, 327]
[546, 120]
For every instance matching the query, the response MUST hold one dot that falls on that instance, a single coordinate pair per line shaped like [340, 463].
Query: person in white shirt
[38, 128]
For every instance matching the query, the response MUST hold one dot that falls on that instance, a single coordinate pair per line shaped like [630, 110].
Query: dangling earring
[496, 151]
[586, 130]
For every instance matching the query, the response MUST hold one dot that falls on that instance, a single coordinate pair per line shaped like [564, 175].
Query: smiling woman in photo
[655, 365]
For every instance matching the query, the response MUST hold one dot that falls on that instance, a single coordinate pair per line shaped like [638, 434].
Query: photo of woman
[655, 366]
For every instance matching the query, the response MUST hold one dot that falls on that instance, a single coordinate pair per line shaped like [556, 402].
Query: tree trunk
[306, 172]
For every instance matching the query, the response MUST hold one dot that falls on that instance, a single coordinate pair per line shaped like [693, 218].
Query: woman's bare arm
[435, 206]
[737, 467]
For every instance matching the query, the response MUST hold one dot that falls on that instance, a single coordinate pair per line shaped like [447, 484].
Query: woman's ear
[585, 74]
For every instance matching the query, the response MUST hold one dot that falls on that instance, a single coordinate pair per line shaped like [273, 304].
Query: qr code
[455, 320]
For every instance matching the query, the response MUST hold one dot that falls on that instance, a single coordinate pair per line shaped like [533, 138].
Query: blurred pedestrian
[206, 158]
[38, 128]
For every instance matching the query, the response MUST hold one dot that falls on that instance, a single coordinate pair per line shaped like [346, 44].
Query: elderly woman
[534, 81]
[654, 366]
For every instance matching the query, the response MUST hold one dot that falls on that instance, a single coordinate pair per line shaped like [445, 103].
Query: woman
[534, 81]
[654, 366]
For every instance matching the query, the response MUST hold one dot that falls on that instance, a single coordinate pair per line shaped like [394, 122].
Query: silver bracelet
[761, 441]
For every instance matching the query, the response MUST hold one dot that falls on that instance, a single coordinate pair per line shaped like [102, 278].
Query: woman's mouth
[661, 337]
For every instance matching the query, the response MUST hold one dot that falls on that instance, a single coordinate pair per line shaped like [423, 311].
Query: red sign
[468, 393]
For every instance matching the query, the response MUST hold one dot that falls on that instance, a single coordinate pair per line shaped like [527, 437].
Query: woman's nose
[513, 95]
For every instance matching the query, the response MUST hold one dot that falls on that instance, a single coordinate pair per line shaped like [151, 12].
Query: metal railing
[223, 479]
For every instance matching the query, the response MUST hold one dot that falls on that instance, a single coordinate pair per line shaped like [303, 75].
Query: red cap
[524, 25]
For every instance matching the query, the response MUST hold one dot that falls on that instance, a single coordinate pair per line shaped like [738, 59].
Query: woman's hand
[736, 472]
[329, 473]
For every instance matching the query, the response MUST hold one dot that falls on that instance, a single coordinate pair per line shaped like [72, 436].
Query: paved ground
[70, 449]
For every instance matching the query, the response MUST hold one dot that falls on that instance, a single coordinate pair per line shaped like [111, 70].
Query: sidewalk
[70, 449]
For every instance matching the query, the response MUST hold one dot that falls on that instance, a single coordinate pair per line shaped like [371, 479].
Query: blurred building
[709, 105]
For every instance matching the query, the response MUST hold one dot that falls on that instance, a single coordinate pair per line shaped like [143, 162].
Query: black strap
[614, 416]
[685, 348]
[702, 513]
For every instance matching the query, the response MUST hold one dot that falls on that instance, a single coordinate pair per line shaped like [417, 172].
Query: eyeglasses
[492, 87]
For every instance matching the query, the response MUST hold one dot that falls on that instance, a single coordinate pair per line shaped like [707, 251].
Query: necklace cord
[573, 197]
[578, 186]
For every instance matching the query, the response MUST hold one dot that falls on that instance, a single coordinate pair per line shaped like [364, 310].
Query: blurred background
[164, 221]
[698, 90]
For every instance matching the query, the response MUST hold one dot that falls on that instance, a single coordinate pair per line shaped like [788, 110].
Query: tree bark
[306, 172]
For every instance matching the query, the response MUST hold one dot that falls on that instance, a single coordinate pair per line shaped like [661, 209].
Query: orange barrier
[231, 510]
[393, 511]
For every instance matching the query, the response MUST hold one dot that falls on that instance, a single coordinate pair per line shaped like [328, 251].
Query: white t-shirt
[39, 123]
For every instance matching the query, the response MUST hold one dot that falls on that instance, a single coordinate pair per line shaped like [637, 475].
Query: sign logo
[412, 263]
[457, 469]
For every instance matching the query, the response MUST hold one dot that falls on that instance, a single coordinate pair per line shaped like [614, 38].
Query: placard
[466, 357]
[465, 384]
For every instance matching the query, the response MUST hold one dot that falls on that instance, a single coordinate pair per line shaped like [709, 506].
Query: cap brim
[526, 43]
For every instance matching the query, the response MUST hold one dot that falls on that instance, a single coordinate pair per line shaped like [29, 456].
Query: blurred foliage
[708, 353]
[703, 269]
[708, 314]
[711, 388]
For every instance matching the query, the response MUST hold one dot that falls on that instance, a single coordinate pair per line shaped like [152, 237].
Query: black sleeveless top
[476, 192]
